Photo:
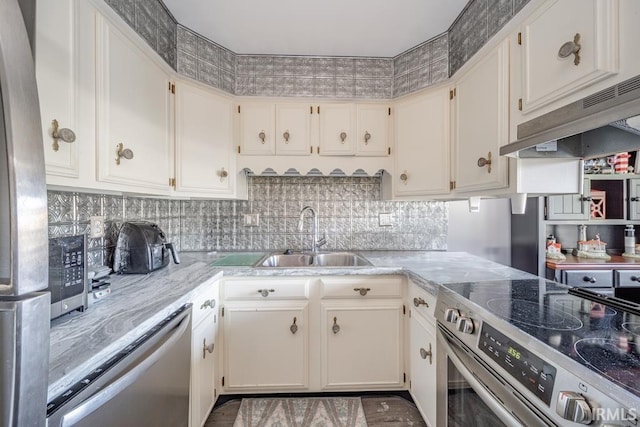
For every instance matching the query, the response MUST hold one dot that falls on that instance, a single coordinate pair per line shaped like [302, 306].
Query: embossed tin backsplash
[349, 210]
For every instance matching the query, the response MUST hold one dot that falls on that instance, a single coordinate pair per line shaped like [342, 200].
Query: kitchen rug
[301, 412]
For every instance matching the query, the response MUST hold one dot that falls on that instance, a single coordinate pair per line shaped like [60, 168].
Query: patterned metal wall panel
[153, 22]
[348, 210]
[421, 66]
[476, 24]
[427, 64]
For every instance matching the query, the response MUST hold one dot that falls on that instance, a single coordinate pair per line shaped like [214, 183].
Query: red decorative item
[622, 163]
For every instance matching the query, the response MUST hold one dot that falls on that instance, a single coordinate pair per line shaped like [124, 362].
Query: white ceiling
[382, 28]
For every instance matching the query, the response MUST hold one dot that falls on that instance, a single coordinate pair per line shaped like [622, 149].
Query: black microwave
[68, 274]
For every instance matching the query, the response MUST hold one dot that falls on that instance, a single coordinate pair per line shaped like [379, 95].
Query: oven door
[470, 393]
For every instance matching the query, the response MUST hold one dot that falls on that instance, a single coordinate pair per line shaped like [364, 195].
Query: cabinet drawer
[588, 278]
[265, 289]
[627, 278]
[421, 301]
[206, 301]
[360, 287]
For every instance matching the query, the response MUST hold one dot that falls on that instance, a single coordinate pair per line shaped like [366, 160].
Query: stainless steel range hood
[596, 126]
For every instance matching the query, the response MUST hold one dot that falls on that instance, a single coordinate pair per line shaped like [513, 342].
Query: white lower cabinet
[422, 359]
[204, 353]
[362, 344]
[266, 345]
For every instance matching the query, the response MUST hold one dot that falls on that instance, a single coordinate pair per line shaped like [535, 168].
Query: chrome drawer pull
[589, 279]
[210, 303]
[335, 328]
[294, 328]
[419, 301]
[265, 292]
[363, 291]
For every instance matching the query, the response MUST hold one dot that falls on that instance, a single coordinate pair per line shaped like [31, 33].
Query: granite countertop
[80, 341]
[575, 263]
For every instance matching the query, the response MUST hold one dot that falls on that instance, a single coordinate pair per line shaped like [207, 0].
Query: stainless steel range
[534, 352]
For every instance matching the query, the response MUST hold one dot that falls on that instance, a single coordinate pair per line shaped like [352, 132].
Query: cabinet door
[337, 129]
[204, 141]
[293, 129]
[634, 199]
[203, 376]
[133, 109]
[421, 126]
[56, 74]
[362, 344]
[422, 359]
[570, 206]
[482, 123]
[546, 77]
[372, 137]
[266, 346]
[257, 128]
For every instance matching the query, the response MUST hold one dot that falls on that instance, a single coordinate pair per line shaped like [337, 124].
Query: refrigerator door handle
[179, 326]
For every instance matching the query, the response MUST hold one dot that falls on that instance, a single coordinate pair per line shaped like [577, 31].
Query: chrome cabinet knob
[482, 162]
[206, 348]
[123, 153]
[367, 137]
[589, 279]
[635, 279]
[58, 133]
[262, 136]
[335, 328]
[465, 325]
[427, 353]
[404, 177]
[571, 48]
[574, 407]
[343, 137]
[294, 327]
[451, 315]
[286, 135]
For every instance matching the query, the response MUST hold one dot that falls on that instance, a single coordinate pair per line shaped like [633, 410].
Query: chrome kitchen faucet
[316, 243]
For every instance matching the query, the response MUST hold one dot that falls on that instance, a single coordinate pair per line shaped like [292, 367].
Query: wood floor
[384, 411]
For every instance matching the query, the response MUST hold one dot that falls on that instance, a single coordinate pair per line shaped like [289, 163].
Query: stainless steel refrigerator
[24, 306]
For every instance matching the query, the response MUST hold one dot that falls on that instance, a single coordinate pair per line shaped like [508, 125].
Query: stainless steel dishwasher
[145, 384]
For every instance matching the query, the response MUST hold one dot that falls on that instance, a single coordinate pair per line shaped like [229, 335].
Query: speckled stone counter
[80, 341]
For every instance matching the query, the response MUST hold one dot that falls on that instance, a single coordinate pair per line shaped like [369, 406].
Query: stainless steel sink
[340, 259]
[282, 260]
[325, 259]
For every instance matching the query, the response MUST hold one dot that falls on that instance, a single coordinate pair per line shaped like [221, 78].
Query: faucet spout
[316, 242]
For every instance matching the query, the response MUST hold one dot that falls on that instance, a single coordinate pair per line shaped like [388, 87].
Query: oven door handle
[174, 330]
[506, 416]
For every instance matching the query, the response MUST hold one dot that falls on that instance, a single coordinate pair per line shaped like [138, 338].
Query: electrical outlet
[97, 227]
[385, 219]
[251, 220]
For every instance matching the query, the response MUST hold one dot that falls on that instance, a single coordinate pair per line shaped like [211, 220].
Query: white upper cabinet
[133, 109]
[205, 160]
[372, 137]
[293, 129]
[257, 128]
[421, 128]
[337, 129]
[57, 73]
[549, 70]
[481, 106]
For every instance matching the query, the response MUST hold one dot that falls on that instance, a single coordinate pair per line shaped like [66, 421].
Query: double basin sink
[326, 259]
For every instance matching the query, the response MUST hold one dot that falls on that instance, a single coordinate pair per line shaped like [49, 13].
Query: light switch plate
[385, 219]
[251, 220]
[96, 229]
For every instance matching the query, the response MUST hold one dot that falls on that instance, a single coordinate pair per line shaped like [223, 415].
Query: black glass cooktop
[596, 334]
